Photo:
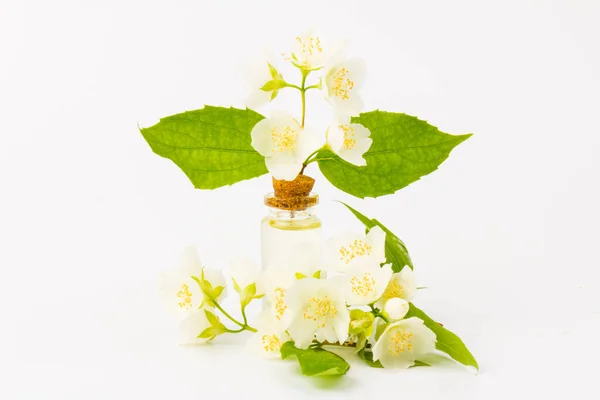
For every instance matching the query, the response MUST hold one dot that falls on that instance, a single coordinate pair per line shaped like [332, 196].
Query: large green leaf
[447, 341]
[211, 145]
[395, 250]
[316, 362]
[404, 149]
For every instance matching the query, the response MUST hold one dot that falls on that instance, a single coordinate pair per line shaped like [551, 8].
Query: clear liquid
[281, 237]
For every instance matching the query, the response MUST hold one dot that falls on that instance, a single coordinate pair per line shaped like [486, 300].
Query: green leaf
[211, 145]
[404, 149]
[421, 364]
[367, 357]
[447, 341]
[274, 84]
[395, 250]
[316, 361]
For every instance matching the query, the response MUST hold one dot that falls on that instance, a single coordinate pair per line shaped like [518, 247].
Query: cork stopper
[292, 195]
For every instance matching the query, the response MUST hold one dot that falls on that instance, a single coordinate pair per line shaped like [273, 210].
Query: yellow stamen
[393, 289]
[399, 342]
[354, 249]
[320, 310]
[349, 141]
[271, 343]
[364, 286]
[310, 45]
[341, 84]
[184, 297]
[284, 139]
[280, 305]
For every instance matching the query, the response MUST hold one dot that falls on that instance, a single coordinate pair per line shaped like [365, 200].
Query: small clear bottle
[291, 223]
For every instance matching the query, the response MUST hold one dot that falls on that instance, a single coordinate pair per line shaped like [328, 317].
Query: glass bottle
[291, 223]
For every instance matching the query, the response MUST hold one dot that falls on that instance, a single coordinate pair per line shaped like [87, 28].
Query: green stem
[303, 94]
[319, 159]
[293, 86]
[307, 161]
[244, 316]
[243, 326]
[225, 313]
[379, 314]
[234, 331]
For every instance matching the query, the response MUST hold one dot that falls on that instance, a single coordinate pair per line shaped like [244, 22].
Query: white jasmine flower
[310, 51]
[403, 342]
[179, 290]
[346, 247]
[402, 284]
[276, 283]
[396, 308]
[318, 308]
[192, 326]
[303, 262]
[269, 338]
[284, 144]
[341, 83]
[366, 281]
[349, 141]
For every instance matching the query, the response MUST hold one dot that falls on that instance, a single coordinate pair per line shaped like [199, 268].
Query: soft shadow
[332, 382]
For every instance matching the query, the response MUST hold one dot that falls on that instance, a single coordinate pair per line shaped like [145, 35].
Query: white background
[504, 234]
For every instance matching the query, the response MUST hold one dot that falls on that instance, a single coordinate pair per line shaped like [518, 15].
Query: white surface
[504, 234]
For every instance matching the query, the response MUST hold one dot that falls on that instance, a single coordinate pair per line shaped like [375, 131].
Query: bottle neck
[282, 214]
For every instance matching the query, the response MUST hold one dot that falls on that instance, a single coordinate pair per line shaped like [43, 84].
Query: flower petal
[261, 137]
[396, 308]
[270, 337]
[357, 71]
[335, 137]
[338, 251]
[306, 259]
[243, 270]
[408, 283]
[360, 131]
[308, 141]
[302, 332]
[192, 326]
[351, 106]
[376, 239]
[283, 166]
[352, 156]
[190, 262]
